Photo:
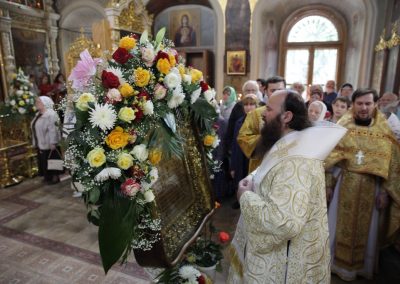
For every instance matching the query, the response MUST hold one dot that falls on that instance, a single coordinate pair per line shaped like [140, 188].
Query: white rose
[148, 108]
[159, 92]
[187, 78]
[148, 54]
[195, 95]
[21, 110]
[153, 175]
[12, 102]
[140, 152]
[209, 95]
[149, 196]
[114, 95]
[19, 92]
[173, 79]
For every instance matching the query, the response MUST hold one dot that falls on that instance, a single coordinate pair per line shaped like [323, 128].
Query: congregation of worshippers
[354, 214]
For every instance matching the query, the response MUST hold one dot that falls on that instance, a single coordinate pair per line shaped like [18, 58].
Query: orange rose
[155, 156]
[117, 138]
[208, 140]
[163, 65]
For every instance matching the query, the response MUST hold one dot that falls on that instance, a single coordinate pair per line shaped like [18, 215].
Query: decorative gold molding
[395, 38]
[135, 18]
[79, 45]
[382, 43]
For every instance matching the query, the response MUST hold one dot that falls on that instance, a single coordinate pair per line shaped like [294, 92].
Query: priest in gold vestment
[249, 133]
[368, 180]
[282, 234]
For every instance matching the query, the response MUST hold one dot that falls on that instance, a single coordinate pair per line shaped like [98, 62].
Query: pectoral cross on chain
[360, 157]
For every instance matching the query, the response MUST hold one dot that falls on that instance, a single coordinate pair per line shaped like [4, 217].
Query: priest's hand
[245, 184]
[382, 200]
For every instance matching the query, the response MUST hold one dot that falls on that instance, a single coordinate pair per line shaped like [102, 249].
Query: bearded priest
[365, 180]
[282, 234]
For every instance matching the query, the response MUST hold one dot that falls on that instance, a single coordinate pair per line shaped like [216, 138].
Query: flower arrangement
[183, 274]
[205, 252]
[129, 111]
[21, 100]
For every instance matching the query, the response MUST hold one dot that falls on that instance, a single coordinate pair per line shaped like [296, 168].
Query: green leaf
[94, 195]
[116, 228]
[160, 35]
[171, 143]
[144, 37]
[204, 114]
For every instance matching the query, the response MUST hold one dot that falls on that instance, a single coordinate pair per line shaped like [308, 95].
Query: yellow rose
[127, 42]
[25, 96]
[155, 156]
[208, 140]
[21, 103]
[83, 100]
[196, 75]
[96, 157]
[172, 60]
[125, 161]
[142, 77]
[117, 138]
[126, 114]
[126, 90]
[163, 65]
[181, 69]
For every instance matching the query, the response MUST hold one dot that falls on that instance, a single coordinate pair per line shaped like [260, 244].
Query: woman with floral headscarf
[228, 102]
[45, 136]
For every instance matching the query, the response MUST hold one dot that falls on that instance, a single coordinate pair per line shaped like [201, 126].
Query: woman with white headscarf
[316, 111]
[45, 136]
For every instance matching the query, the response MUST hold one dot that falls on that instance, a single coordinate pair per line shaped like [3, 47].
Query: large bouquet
[21, 100]
[128, 114]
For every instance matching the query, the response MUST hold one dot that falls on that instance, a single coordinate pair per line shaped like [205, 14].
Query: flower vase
[210, 271]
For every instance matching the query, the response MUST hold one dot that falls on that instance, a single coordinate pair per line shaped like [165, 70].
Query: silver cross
[360, 157]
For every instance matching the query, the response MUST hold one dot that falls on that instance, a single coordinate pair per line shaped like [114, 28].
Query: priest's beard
[270, 134]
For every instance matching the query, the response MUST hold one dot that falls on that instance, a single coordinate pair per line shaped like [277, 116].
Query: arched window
[312, 46]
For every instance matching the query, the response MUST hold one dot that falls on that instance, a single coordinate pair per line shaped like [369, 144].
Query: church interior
[45, 236]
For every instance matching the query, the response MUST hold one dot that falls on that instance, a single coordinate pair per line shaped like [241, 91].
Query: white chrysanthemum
[103, 116]
[215, 143]
[176, 100]
[148, 108]
[195, 95]
[189, 273]
[108, 173]
[153, 175]
[145, 186]
[117, 72]
[140, 152]
[173, 79]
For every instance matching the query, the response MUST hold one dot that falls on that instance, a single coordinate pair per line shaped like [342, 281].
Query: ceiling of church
[157, 6]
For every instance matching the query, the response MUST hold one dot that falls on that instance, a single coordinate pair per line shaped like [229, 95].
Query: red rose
[204, 86]
[161, 54]
[109, 80]
[201, 279]
[223, 237]
[215, 126]
[137, 172]
[121, 55]
[138, 114]
[144, 94]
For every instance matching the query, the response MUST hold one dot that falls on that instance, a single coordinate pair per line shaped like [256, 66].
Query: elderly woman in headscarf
[228, 102]
[46, 136]
[316, 111]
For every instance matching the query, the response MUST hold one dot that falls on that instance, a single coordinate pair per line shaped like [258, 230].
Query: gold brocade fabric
[290, 204]
[357, 196]
[249, 135]
[366, 152]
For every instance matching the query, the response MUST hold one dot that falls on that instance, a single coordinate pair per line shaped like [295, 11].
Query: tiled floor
[45, 238]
